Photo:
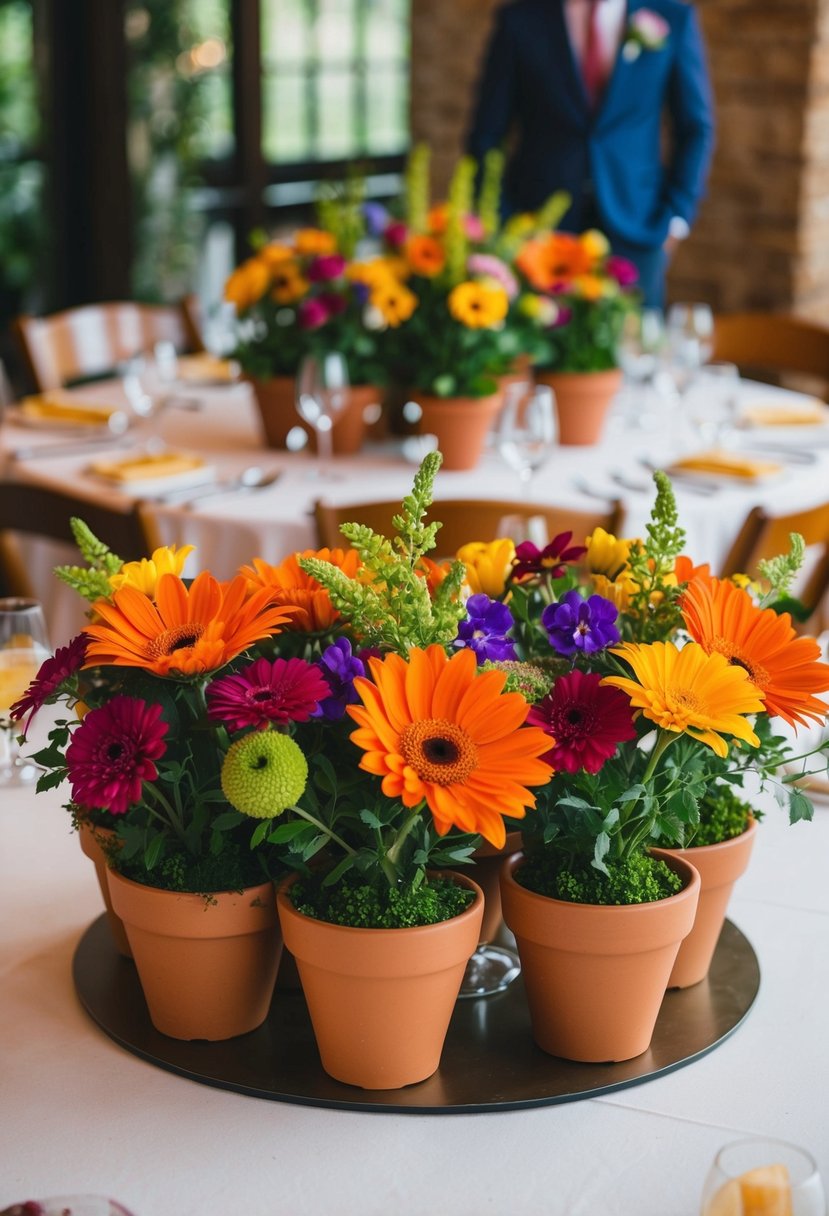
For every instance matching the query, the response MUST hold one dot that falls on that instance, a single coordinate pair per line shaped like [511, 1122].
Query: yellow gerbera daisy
[487, 565]
[143, 575]
[289, 283]
[688, 691]
[247, 284]
[478, 305]
[314, 241]
[394, 302]
[438, 730]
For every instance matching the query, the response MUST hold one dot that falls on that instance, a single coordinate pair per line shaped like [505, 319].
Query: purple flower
[282, 691]
[376, 217]
[339, 667]
[485, 628]
[313, 313]
[622, 270]
[113, 752]
[326, 267]
[578, 626]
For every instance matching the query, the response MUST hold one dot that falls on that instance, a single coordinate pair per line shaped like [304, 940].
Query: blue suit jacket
[531, 81]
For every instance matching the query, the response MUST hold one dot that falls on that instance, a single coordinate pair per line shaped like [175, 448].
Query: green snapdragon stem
[389, 862]
[324, 829]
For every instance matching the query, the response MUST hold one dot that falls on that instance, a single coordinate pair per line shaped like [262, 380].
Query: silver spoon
[251, 478]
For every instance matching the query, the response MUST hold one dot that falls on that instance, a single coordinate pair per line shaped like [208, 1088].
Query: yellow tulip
[606, 554]
[487, 565]
[143, 575]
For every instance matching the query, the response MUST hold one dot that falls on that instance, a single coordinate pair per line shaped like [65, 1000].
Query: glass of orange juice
[23, 647]
[763, 1178]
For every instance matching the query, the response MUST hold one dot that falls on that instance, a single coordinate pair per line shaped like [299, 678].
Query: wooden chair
[763, 536]
[36, 511]
[86, 343]
[770, 343]
[466, 520]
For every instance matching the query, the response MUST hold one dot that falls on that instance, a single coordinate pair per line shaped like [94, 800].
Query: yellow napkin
[55, 409]
[811, 414]
[146, 466]
[206, 367]
[726, 464]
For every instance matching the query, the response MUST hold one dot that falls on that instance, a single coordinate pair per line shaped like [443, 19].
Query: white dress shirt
[611, 20]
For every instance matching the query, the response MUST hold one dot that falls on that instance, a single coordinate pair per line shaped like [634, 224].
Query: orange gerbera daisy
[425, 255]
[688, 691]
[311, 611]
[437, 730]
[783, 666]
[314, 242]
[247, 284]
[187, 631]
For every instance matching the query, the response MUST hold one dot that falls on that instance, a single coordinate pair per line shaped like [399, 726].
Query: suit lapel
[572, 81]
[621, 66]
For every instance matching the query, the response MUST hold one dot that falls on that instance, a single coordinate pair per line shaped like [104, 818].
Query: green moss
[722, 816]
[363, 906]
[638, 880]
[234, 870]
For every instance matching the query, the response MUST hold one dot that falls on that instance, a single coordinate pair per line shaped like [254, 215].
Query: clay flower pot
[276, 399]
[380, 1000]
[461, 425]
[93, 841]
[486, 873]
[595, 975]
[719, 866]
[207, 965]
[583, 400]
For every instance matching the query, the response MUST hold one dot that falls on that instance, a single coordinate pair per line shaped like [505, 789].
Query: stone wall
[762, 237]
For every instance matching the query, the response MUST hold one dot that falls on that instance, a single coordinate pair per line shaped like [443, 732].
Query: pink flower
[396, 234]
[282, 691]
[622, 270]
[490, 267]
[584, 721]
[650, 28]
[113, 752]
[474, 228]
[313, 313]
[53, 671]
[326, 267]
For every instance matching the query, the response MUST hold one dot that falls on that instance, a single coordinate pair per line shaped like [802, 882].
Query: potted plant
[576, 293]
[642, 724]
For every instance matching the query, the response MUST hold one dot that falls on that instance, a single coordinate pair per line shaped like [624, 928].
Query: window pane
[335, 31]
[387, 101]
[286, 135]
[19, 126]
[286, 31]
[387, 30]
[335, 102]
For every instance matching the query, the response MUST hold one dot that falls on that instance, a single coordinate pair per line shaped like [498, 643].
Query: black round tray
[489, 1062]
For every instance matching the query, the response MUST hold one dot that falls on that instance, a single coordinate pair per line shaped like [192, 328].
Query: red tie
[593, 66]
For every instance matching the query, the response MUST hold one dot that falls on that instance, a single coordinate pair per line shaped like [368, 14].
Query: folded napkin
[726, 464]
[206, 368]
[146, 467]
[64, 410]
[810, 414]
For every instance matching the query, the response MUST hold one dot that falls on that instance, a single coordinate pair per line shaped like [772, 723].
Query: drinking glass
[638, 353]
[23, 647]
[690, 343]
[759, 1176]
[321, 394]
[713, 404]
[526, 430]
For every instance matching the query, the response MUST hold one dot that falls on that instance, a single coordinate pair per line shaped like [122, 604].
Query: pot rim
[691, 885]
[688, 850]
[205, 898]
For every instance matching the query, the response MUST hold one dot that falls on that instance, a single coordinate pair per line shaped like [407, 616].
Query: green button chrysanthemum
[263, 773]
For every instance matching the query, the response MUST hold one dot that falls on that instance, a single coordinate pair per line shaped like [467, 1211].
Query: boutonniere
[646, 31]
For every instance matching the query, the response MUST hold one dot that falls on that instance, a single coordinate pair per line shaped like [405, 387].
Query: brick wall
[762, 237]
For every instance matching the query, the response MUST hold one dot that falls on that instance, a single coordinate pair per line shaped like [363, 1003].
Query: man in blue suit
[585, 84]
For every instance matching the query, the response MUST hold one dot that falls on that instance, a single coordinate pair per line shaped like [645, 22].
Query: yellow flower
[143, 575]
[595, 244]
[374, 273]
[247, 284]
[478, 305]
[275, 253]
[313, 241]
[685, 692]
[606, 554]
[589, 286]
[394, 302]
[289, 284]
[487, 565]
[619, 591]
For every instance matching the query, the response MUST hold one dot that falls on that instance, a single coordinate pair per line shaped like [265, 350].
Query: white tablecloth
[79, 1114]
[230, 530]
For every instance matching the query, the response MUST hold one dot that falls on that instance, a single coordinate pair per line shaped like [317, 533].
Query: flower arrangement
[646, 31]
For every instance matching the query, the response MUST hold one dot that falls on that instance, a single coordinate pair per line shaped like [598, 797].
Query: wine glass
[322, 392]
[23, 647]
[714, 402]
[694, 322]
[526, 429]
[777, 1176]
[638, 353]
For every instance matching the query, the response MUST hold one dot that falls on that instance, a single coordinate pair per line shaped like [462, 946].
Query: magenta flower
[326, 267]
[551, 561]
[313, 313]
[282, 691]
[622, 270]
[396, 234]
[563, 317]
[53, 671]
[473, 226]
[585, 720]
[113, 752]
[334, 303]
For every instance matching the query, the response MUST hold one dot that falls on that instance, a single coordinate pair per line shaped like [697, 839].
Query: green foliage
[590, 339]
[489, 196]
[638, 879]
[393, 608]
[416, 188]
[365, 906]
[654, 611]
[460, 205]
[722, 816]
[780, 571]
[92, 581]
[339, 210]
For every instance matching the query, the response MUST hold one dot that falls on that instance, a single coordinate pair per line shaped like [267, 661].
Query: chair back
[466, 520]
[763, 536]
[38, 511]
[87, 342]
[768, 342]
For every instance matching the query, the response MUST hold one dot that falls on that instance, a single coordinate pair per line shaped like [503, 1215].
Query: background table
[80, 1114]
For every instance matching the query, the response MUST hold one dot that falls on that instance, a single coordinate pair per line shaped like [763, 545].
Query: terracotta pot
[595, 976]
[583, 400]
[93, 842]
[380, 1000]
[461, 425]
[276, 399]
[486, 873]
[719, 866]
[207, 965]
